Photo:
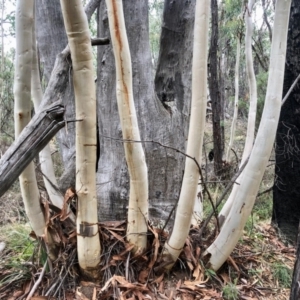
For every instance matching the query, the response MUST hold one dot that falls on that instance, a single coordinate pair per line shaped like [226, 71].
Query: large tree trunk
[162, 115]
[215, 92]
[286, 192]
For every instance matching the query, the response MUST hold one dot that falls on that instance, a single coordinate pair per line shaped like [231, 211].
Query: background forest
[166, 247]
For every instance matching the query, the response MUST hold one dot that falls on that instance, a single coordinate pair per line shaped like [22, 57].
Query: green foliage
[210, 273]
[155, 19]
[7, 100]
[18, 241]
[263, 207]
[282, 274]
[230, 291]
[233, 23]
[17, 253]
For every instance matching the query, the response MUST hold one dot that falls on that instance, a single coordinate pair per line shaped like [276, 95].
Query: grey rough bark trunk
[215, 92]
[163, 108]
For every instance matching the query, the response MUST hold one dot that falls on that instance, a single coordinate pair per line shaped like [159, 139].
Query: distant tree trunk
[295, 289]
[163, 113]
[286, 192]
[214, 90]
[236, 96]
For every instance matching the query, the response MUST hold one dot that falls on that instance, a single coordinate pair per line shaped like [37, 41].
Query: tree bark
[214, 90]
[286, 208]
[295, 289]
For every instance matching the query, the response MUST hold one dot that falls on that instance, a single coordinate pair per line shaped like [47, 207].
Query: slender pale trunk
[88, 243]
[22, 90]
[243, 203]
[252, 109]
[236, 97]
[174, 245]
[46, 162]
[134, 153]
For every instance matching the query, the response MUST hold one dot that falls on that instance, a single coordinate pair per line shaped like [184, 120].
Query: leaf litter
[250, 267]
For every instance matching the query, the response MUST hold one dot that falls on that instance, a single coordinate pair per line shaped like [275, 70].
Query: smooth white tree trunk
[46, 162]
[88, 243]
[236, 97]
[184, 212]
[252, 108]
[22, 94]
[134, 153]
[243, 203]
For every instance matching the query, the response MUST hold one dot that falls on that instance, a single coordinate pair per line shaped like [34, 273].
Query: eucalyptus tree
[22, 94]
[175, 243]
[135, 157]
[22, 111]
[77, 29]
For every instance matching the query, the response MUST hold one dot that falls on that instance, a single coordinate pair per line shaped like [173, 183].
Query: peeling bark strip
[31, 141]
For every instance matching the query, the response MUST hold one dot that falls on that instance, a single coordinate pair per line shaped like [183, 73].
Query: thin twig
[37, 282]
[265, 192]
[290, 90]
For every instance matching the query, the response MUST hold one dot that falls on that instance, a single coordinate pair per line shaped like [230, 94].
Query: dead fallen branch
[33, 139]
